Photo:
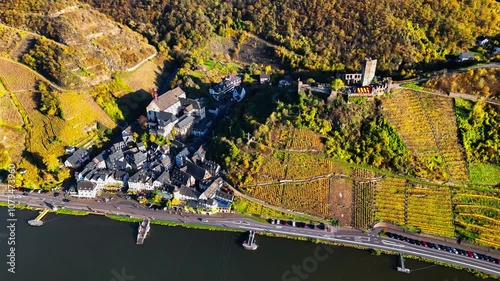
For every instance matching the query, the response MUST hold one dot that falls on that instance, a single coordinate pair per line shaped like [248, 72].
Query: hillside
[360, 163]
[484, 82]
[35, 140]
[71, 44]
[325, 35]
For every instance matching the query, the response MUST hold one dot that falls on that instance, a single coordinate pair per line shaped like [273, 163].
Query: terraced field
[441, 113]
[477, 216]
[428, 126]
[17, 78]
[404, 111]
[390, 201]
[9, 115]
[429, 209]
[364, 203]
[311, 197]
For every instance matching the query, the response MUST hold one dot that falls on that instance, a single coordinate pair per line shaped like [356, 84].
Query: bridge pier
[402, 268]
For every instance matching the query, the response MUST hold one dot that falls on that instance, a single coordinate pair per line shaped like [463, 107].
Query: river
[94, 248]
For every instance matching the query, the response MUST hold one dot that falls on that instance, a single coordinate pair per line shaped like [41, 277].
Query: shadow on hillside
[134, 104]
[33, 157]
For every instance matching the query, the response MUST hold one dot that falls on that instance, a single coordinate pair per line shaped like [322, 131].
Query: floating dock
[250, 243]
[402, 268]
[144, 228]
[38, 220]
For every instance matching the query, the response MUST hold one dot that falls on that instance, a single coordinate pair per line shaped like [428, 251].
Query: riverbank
[232, 224]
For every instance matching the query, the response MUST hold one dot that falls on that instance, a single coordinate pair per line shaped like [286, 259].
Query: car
[65, 200]
[203, 220]
[469, 253]
[390, 235]
[475, 255]
[25, 194]
[39, 191]
[56, 194]
[424, 244]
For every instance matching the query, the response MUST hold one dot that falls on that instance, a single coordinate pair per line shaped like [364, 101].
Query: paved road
[339, 235]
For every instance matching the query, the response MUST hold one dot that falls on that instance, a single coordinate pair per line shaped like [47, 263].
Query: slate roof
[180, 177]
[190, 102]
[224, 196]
[196, 171]
[141, 176]
[77, 157]
[164, 178]
[188, 192]
[85, 185]
[184, 122]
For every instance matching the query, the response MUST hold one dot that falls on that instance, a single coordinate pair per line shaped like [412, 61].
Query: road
[339, 235]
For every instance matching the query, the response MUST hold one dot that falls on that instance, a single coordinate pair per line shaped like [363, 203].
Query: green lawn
[484, 173]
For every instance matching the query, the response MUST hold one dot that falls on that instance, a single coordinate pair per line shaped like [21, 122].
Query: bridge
[38, 220]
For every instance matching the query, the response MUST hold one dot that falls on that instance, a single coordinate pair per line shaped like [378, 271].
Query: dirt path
[452, 95]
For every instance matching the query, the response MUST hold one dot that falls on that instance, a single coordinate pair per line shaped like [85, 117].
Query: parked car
[203, 220]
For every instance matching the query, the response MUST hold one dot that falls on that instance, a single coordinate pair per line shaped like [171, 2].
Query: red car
[470, 254]
[424, 244]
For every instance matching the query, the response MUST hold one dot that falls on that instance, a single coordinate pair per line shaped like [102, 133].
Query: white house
[186, 193]
[140, 181]
[239, 93]
[116, 180]
[168, 102]
[86, 189]
[482, 41]
[465, 56]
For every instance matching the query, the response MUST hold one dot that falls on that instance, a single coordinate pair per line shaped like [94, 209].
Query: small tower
[368, 72]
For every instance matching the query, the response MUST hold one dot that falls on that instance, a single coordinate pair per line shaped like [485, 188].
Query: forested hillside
[326, 35]
[71, 44]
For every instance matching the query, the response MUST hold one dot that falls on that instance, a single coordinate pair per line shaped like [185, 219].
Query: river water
[94, 248]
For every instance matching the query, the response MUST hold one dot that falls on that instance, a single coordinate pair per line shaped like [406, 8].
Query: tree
[51, 163]
[63, 174]
[4, 157]
[337, 84]
[267, 69]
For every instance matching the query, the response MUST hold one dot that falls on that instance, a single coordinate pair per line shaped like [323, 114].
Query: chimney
[155, 94]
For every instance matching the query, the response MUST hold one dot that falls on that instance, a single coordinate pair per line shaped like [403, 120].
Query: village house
[86, 189]
[179, 177]
[265, 78]
[186, 193]
[184, 126]
[196, 171]
[482, 40]
[193, 108]
[77, 159]
[165, 123]
[181, 157]
[466, 56]
[227, 85]
[239, 93]
[140, 181]
[168, 102]
[162, 180]
[127, 135]
[212, 167]
[201, 128]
